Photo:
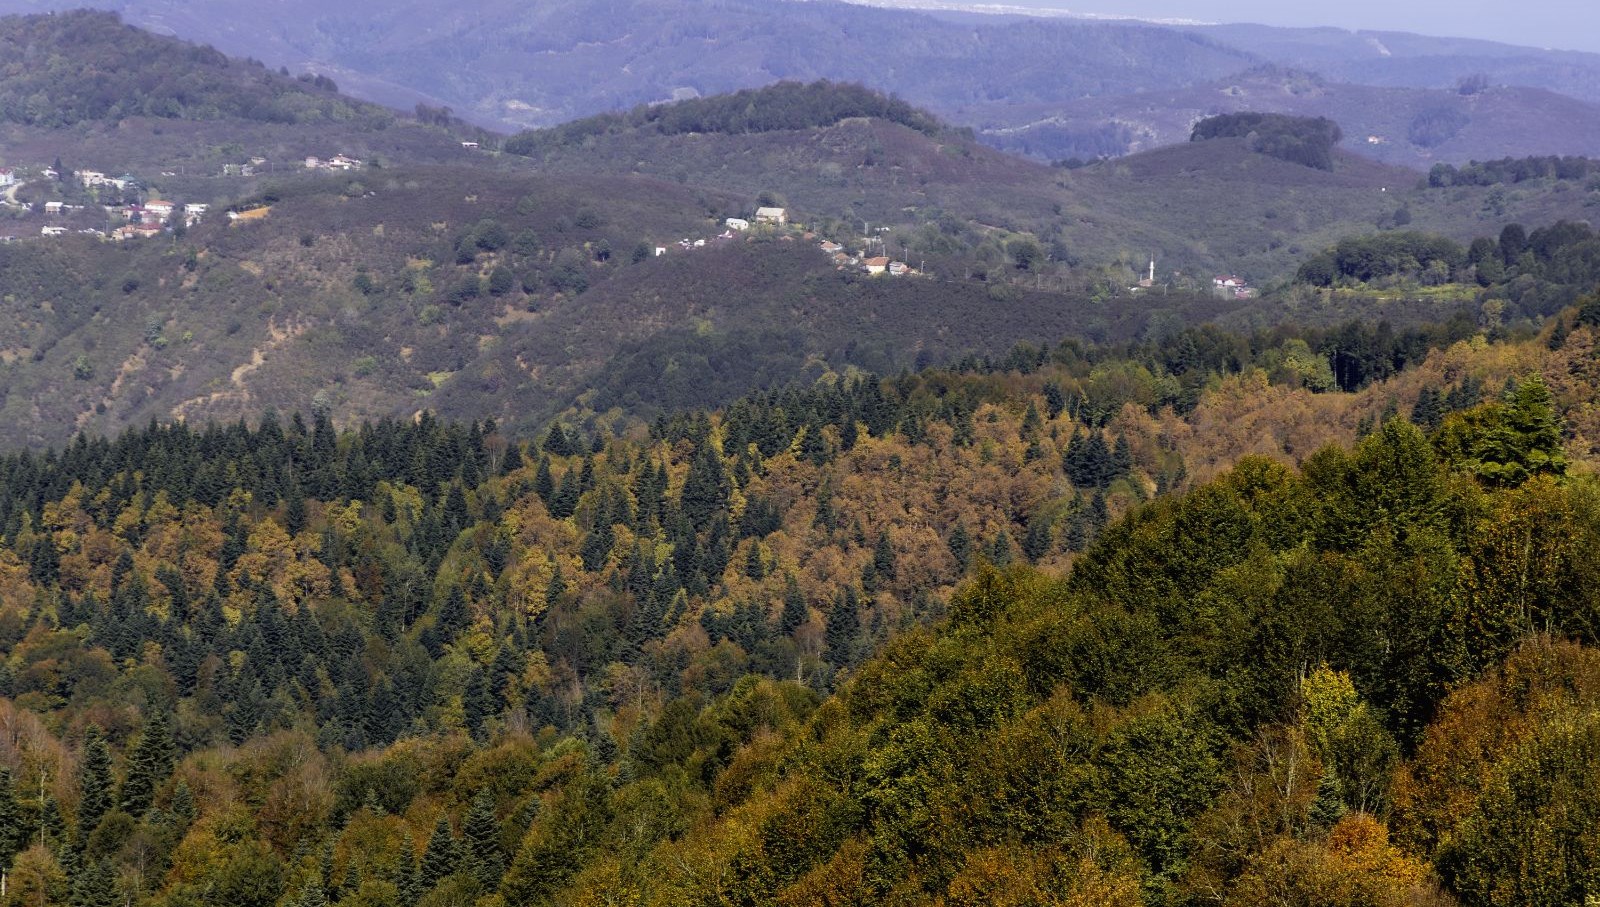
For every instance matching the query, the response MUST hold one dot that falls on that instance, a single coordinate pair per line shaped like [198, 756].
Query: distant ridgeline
[784, 106]
[1512, 170]
[1308, 141]
[82, 66]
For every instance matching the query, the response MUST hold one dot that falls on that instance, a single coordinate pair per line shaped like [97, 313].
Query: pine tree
[441, 858]
[148, 765]
[843, 625]
[477, 703]
[883, 560]
[94, 782]
[294, 513]
[95, 886]
[556, 442]
[795, 612]
[407, 878]
[480, 834]
[961, 546]
[512, 461]
[1036, 543]
[705, 489]
[313, 895]
[543, 485]
[564, 502]
[754, 567]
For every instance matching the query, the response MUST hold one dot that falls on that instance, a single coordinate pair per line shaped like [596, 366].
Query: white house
[876, 265]
[53, 208]
[160, 209]
[8, 177]
[777, 216]
[52, 231]
[736, 223]
[470, 146]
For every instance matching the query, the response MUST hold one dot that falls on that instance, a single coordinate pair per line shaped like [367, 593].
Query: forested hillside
[44, 80]
[421, 662]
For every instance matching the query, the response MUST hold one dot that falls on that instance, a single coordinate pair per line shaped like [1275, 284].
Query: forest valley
[1209, 619]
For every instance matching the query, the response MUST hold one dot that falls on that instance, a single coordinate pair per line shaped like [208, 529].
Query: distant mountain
[1402, 60]
[507, 62]
[1412, 127]
[511, 65]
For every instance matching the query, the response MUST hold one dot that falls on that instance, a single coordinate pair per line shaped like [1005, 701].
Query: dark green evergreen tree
[94, 782]
[148, 765]
[842, 628]
[795, 611]
[442, 856]
[480, 833]
[95, 885]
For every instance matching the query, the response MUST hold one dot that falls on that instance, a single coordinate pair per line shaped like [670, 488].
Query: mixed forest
[1050, 628]
[455, 530]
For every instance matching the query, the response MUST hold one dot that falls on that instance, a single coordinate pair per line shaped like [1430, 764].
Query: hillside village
[113, 208]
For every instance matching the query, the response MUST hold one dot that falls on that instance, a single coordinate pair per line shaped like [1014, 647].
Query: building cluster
[337, 162]
[868, 264]
[94, 179]
[1229, 286]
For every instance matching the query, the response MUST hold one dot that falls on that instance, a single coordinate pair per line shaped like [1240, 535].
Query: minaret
[1152, 270]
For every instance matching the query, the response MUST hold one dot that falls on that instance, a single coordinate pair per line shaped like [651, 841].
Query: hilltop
[78, 66]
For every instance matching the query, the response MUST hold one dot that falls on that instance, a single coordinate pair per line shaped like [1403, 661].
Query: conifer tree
[148, 765]
[480, 834]
[564, 502]
[543, 485]
[441, 858]
[94, 782]
[843, 625]
[94, 886]
[795, 612]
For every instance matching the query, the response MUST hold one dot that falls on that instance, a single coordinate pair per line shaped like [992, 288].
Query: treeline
[1537, 272]
[79, 66]
[1308, 141]
[1512, 170]
[782, 106]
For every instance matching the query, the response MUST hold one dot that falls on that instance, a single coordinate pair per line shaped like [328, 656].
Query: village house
[829, 247]
[1229, 286]
[876, 265]
[470, 146]
[8, 177]
[898, 269]
[736, 223]
[774, 216]
[193, 212]
[54, 208]
[93, 179]
[158, 209]
[52, 231]
[660, 251]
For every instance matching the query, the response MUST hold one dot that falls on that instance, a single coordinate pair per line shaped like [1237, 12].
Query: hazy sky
[1566, 24]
